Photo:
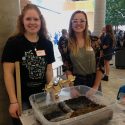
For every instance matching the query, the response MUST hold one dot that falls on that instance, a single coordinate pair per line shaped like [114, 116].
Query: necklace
[34, 45]
[35, 49]
[33, 40]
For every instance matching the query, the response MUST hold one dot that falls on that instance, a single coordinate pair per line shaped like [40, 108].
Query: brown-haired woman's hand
[14, 110]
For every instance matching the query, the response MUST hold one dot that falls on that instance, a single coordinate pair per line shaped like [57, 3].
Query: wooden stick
[18, 85]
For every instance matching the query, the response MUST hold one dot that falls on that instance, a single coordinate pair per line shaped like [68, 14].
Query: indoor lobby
[10, 9]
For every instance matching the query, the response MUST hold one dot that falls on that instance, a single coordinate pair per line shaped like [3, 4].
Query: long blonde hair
[72, 43]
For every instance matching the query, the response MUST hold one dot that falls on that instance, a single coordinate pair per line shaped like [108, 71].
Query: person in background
[56, 37]
[62, 45]
[124, 40]
[95, 43]
[108, 43]
[119, 42]
[31, 47]
[80, 60]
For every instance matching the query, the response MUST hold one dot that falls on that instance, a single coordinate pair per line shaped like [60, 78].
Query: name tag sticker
[40, 53]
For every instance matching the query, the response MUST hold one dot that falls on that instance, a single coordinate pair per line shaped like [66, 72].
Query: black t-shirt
[32, 65]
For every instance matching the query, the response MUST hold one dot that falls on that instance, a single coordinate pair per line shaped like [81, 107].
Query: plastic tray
[40, 101]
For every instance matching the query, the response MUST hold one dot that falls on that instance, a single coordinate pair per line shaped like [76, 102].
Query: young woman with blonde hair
[80, 60]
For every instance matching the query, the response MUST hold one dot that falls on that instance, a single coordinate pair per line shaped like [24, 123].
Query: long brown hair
[109, 30]
[20, 26]
[72, 38]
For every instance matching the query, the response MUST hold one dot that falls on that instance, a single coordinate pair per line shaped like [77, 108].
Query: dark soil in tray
[56, 111]
[78, 106]
[53, 114]
[82, 105]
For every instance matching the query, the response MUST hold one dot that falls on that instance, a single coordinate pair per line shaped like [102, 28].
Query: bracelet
[13, 102]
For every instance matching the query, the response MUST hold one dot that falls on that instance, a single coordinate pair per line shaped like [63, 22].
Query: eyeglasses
[75, 21]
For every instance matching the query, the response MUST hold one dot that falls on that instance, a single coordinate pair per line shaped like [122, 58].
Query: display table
[57, 67]
[27, 117]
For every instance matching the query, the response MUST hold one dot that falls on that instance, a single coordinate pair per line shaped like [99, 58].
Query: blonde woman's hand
[14, 110]
[91, 92]
[74, 93]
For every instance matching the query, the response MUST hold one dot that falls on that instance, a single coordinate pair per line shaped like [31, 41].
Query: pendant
[35, 49]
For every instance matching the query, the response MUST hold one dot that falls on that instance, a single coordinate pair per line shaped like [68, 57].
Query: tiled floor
[116, 79]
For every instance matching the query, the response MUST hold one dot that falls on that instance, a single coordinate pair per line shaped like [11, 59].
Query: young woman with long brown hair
[31, 47]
